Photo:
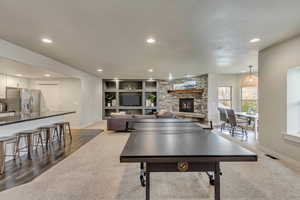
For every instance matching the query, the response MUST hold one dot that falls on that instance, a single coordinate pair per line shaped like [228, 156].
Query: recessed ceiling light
[47, 40]
[150, 70]
[47, 75]
[224, 61]
[170, 77]
[254, 40]
[151, 40]
[19, 75]
[100, 70]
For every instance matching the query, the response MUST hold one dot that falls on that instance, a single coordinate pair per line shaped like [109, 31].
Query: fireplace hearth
[186, 105]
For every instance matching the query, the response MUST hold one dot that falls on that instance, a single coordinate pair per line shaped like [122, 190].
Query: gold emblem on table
[183, 166]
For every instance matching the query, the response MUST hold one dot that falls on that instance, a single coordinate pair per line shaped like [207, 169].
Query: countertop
[18, 117]
[8, 112]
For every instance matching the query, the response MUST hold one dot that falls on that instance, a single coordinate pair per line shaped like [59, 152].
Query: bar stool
[30, 136]
[4, 141]
[49, 130]
[63, 126]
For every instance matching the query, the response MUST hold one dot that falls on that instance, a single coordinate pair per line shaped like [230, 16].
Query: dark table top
[166, 126]
[162, 120]
[172, 143]
[18, 117]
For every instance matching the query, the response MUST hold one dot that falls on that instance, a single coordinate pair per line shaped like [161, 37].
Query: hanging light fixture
[250, 80]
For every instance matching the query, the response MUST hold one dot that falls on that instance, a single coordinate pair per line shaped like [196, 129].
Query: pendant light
[250, 80]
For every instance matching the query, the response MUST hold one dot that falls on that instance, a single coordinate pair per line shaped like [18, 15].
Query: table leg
[256, 128]
[70, 133]
[61, 133]
[48, 138]
[147, 185]
[2, 157]
[217, 181]
[211, 178]
[29, 146]
[142, 174]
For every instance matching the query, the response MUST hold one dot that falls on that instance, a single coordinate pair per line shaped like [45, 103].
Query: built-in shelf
[110, 99]
[132, 111]
[150, 111]
[130, 85]
[151, 85]
[130, 107]
[112, 107]
[107, 112]
[149, 108]
[117, 89]
[150, 90]
[110, 90]
[110, 85]
[125, 90]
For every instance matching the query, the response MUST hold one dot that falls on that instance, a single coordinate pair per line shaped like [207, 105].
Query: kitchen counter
[18, 117]
[6, 114]
[13, 124]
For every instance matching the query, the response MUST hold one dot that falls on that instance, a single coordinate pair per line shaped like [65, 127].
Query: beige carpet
[94, 172]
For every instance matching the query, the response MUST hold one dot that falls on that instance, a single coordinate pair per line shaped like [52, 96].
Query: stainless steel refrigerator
[23, 100]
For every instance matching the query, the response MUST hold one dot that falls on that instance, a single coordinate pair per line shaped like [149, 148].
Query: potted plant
[108, 99]
[152, 99]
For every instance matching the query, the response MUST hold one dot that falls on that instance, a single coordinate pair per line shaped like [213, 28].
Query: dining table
[251, 117]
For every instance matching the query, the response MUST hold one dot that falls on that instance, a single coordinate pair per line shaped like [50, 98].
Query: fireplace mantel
[199, 91]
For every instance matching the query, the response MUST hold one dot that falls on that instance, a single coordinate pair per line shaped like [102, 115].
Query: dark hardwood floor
[16, 174]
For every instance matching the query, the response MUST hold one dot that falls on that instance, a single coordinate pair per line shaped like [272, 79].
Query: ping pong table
[179, 145]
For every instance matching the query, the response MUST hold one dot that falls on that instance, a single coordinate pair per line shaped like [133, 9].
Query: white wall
[274, 63]
[90, 95]
[218, 80]
[60, 95]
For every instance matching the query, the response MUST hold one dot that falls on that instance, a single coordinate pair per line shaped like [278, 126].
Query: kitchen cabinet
[11, 81]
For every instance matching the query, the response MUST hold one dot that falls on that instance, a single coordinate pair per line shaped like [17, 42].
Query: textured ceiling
[193, 36]
[13, 68]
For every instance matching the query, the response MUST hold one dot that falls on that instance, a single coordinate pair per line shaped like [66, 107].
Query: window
[293, 105]
[224, 97]
[249, 99]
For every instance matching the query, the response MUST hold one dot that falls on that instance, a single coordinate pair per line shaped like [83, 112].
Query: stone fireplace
[171, 102]
[186, 105]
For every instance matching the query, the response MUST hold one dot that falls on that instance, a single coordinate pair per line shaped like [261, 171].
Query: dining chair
[235, 124]
[223, 118]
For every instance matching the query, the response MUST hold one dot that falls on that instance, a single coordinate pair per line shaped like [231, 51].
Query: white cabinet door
[2, 86]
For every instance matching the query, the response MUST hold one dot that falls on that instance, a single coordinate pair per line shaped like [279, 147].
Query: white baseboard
[279, 156]
[294, 137]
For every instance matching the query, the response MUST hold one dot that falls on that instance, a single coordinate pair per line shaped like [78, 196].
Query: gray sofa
[124, 122]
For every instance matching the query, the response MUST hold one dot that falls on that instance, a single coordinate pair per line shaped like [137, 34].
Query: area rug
[94, 172]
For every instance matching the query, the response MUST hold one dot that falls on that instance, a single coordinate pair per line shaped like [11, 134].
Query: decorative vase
[114, 102]
[148, 103]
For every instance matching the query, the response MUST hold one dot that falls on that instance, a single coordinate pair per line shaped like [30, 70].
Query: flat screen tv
[130, 100]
